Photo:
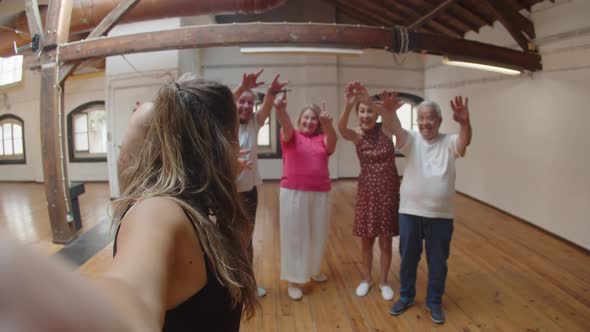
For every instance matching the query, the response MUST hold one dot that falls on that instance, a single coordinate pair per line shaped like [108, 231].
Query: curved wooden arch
[316, 34]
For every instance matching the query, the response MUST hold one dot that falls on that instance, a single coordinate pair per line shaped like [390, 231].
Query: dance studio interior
[74, 72]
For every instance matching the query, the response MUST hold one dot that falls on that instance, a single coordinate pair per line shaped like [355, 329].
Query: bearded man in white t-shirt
[426, 197]
[250, 124]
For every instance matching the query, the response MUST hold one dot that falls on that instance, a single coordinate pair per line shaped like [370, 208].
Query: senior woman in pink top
[304, 193]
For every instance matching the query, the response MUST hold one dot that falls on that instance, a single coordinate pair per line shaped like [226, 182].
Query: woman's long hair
[190, 155]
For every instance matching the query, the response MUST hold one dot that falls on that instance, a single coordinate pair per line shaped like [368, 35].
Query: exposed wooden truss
[447, 17]
[33, 17]
[101, 29]
[432, 14]
[519, 27]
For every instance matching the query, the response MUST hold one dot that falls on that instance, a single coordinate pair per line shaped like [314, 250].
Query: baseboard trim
[560, 238]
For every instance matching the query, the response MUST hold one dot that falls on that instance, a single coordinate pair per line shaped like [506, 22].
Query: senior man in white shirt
[426, 197]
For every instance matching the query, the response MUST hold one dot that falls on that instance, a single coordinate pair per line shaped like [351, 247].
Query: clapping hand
[460, 110]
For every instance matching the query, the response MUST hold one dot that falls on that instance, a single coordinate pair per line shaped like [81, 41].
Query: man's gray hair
[431, 104]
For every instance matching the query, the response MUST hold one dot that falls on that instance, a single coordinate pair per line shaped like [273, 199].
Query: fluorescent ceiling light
[301, 50]
[480, 66]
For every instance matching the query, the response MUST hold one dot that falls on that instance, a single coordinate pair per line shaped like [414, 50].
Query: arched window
[87, 133]
[407, 113]
[12, 140]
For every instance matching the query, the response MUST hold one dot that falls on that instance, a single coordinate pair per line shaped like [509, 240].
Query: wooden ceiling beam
[361, 11]
[392, 17]
[432, 14]
[463, 19]
[414, 14]
[334, 35]
[386, 7]
[474, 51]
[472, 15]
[506, 17]
[34, 18]
[351, 14]
[382, 5]
[367, 16]
[107, 23]
[523, 23]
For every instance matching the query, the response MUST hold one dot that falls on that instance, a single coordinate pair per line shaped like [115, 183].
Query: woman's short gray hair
[431, 104]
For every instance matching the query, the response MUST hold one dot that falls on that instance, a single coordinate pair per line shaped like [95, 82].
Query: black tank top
[209, 309]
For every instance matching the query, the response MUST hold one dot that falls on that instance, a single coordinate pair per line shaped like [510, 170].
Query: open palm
[460, 110]
[388, 101]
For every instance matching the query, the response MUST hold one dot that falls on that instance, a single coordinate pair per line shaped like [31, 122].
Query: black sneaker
[400, 306]
[436, 313]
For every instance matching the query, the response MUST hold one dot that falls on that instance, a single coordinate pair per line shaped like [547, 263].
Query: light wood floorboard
[504, 275]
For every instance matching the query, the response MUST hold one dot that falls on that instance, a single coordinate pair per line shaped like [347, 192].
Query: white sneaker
[319, 278]
[261, 292]
[387, 292]
[363, 288]
[295, 293]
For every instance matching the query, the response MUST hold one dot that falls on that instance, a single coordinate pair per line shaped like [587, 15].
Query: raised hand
[281, 102]
[325, 117]
[243, 163]
[276, 86]
[354, 92]
[460, 110]
[250, 80]
[349, 95]
[388, 101]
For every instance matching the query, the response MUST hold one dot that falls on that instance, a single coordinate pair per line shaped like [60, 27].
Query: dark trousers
[436, 233]
[250, 202]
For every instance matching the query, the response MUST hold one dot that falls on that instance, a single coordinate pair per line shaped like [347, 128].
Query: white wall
[134, 78]
[313, 79]
[78, 92]
[529, 154]
[24, 102]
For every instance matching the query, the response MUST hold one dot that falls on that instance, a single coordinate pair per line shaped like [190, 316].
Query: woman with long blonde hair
[180, 252]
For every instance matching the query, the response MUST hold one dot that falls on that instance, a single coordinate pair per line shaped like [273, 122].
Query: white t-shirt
[428, 186]
[248, 137]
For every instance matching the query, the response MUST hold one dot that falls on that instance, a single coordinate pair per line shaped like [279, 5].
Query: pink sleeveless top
[305, 163]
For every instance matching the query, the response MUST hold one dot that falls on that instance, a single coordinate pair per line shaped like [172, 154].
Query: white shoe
[295, 293]
[363, 288]
[387, 292]
[261, 292]
[319, 278]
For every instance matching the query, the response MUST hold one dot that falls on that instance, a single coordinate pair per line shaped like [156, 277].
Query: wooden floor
[24, 215]
[504, 275]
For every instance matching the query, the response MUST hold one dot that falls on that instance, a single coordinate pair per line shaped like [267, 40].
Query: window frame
[415, 101]
[70, 126]
[5, 118]
[18, 83]
[272, 119]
